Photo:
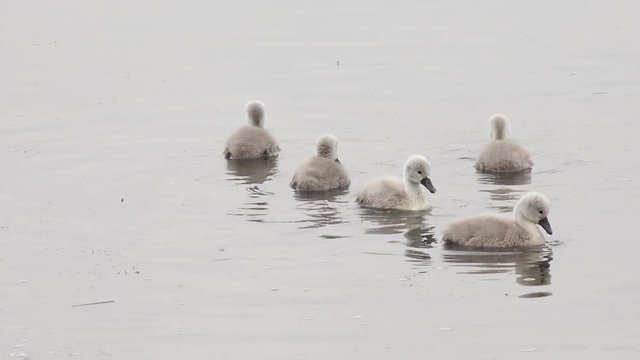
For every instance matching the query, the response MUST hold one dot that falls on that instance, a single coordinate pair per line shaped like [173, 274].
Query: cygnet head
[499, 128]
[328, 147]
[255, 113]
[534, 207]
[417, 171]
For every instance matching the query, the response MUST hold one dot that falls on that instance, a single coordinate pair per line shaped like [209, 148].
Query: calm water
[113, 186]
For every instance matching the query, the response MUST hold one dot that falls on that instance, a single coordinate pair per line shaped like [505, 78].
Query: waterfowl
[252, 141]
[322, 172]
[499, 231]
[407, 193]
[502, 154]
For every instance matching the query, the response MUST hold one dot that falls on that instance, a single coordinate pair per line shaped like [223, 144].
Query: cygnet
[322, 172]
[252, 141]
[407, 193]
[500, 231]
[502, 154]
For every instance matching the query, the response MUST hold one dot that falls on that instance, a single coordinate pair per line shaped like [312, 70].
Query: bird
[402, 194]
[501, 231]
[322, 172]
[502, 155]
[252, 141]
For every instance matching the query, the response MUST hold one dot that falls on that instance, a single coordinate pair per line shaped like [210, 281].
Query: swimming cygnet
[403, 194]
[504, 231]
[253, 141]
[322, 172]
[502, 154]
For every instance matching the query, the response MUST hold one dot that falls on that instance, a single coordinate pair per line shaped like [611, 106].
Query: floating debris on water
[537, 294]
[94, 303]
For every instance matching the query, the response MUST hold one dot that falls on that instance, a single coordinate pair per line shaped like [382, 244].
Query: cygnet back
[502, 154]
[322, 172]
[252, 141]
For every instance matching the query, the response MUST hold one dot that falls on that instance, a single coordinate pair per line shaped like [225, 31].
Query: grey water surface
[114, 193]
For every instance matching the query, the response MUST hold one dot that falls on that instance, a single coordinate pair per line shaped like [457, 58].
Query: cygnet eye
[419, 172]
[540, 212]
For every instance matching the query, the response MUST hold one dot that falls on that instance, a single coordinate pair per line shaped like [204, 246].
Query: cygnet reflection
[320, 208]
[256, 207]
[253, 171]
[418, 234]
[531, 265]
[500, 188]
[505, 179]
[503, 198]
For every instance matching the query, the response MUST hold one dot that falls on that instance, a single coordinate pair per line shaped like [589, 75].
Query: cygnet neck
[257, 122]
[530, 226]
[499, 127]
[412, 189]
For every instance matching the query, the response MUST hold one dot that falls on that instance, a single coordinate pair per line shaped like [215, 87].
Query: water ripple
[505, 179]
[320, 208]
[532, 266]
[418, 234]
[256, 207]
[252, 171]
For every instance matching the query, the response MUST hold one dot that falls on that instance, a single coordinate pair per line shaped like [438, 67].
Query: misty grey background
[113, 117]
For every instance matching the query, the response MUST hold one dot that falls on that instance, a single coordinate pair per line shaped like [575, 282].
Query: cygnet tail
[499, 125]
[255, 112]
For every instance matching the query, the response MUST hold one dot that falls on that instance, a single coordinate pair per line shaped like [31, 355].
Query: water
[114, 187]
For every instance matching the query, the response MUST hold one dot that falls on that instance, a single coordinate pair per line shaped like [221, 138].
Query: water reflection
[257, 206]
[503, 199]
[505, 179]
[418, 234]
[321, 208]
[532, 265]
[503, 196]
[253, 171]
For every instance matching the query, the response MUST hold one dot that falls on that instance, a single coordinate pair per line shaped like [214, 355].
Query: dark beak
[427, 183]
[544, 222]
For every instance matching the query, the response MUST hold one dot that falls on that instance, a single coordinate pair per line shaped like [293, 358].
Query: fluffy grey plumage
[253, 141]
[502, 154]
[503, 231]
[322, 172]
[403, 194]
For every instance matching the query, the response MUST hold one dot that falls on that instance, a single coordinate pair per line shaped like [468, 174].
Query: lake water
[113, 187]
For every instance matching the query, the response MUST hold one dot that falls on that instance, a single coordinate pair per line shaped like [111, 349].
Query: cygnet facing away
[402, 194]
[322, 172]
[502, 154]
[252, 141]
[501, 231]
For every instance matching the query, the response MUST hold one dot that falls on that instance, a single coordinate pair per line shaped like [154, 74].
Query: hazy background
[113, 117]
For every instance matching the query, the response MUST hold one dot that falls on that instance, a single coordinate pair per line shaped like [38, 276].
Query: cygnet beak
[427, 183]
[544, 222]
